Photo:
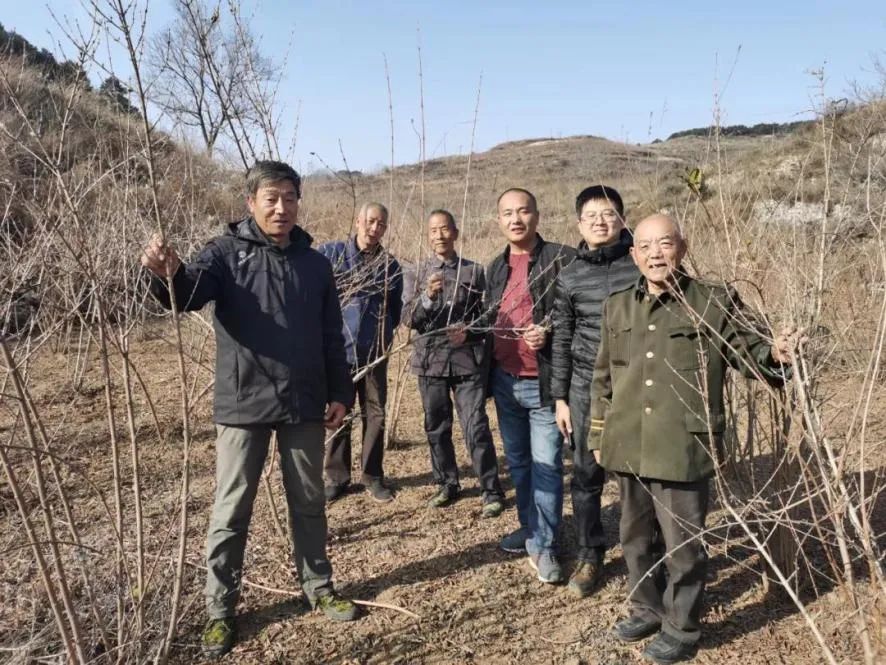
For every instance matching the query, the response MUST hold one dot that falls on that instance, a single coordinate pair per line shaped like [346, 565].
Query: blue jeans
[534, 452]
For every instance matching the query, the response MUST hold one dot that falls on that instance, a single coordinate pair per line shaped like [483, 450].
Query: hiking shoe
[335, 490]
[218, 638]
[335, 607]
[584, 578]
[514, 542]
[547, 567]
[443, 497]
[666, 649]
[634, 628]
[492, 508]
[378, 491]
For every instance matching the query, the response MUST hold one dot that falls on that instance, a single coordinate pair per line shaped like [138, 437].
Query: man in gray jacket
[280, 367]
[446, 295]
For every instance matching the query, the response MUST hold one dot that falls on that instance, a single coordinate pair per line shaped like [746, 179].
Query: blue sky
[630, 71]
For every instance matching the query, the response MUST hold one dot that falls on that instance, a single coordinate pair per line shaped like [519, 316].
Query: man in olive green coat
[657, 417]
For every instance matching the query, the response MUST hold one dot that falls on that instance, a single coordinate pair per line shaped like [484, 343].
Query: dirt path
[477, 603]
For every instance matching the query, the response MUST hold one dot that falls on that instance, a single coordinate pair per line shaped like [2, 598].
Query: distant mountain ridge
[760, 129]
[13, 44]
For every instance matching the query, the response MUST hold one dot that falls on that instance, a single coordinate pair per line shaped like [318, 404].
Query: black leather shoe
[666, 649]
[634, 629]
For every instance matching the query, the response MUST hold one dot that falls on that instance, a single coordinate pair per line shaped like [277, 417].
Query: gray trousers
[681, 509]
[240, 458]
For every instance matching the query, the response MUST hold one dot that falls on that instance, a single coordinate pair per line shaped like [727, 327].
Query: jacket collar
[607, 254]
[435, 262]
[354, 252]
[683, 281]
[533, 255]
[248, 229]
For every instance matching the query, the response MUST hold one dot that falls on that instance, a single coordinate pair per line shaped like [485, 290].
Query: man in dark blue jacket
[280, 367]
[370, 287]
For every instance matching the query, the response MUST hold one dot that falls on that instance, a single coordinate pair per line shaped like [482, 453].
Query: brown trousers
[372, 395]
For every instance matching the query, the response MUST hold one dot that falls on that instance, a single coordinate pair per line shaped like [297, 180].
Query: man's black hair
[522, 191]
[265, 171]
[448, 215]
[600, 193]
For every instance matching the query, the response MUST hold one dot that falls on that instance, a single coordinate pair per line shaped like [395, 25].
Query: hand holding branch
[787, 343]
[160, 258]
[434, 286]
[535, 337]
[457, 334]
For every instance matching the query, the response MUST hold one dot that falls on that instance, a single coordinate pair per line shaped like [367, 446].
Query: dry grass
[477, 604]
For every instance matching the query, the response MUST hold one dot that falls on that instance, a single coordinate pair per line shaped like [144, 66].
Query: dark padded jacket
[579, 293]
[545, 263]
[280, 354]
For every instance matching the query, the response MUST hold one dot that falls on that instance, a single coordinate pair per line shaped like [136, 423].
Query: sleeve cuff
[595, 433]
[771, 368]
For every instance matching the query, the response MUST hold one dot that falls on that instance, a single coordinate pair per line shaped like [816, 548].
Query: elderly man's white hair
[372, 205]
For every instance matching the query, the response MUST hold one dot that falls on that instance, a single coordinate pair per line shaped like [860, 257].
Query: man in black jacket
[520, 300]
[446, 294]
[603, 266]
[280, 367]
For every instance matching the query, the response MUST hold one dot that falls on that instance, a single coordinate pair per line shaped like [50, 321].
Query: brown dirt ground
[477, 604]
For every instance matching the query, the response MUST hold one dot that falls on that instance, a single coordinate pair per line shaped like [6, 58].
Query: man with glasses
[603, 265]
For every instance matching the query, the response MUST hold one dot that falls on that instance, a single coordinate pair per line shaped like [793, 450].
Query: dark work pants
[681, 509]
[470, 403]
[372, 395]
[588, 477]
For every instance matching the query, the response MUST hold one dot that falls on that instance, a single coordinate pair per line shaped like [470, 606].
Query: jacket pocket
[620, 352]
[704, 451]
[686, 348]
